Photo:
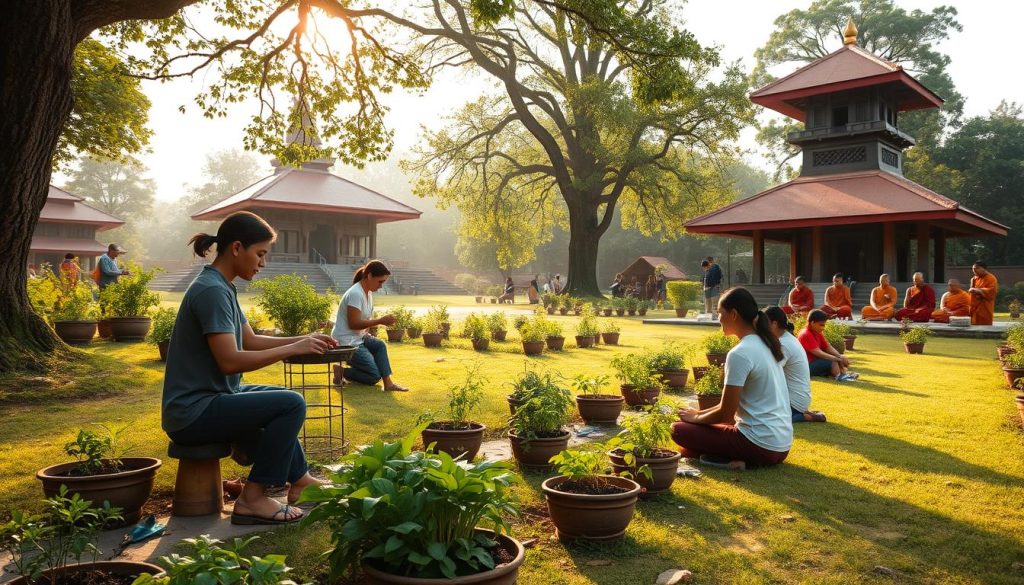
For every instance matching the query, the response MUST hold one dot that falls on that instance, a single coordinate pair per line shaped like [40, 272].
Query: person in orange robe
[984, 287]
[801, 298]
[955, 303]
[919, 302]
[883, 301]
[837, 299]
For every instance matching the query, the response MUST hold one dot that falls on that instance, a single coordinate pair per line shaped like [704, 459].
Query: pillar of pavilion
[851, 210]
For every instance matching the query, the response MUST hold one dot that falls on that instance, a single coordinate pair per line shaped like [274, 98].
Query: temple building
[851, 210]
[68, 224]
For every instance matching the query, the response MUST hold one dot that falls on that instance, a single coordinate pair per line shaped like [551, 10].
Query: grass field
[920, 468]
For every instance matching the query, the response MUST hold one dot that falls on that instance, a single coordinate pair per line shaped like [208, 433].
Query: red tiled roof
[63, 207]
[849, 198]
[672, 271]
[58, 194]
[847, 68]
[311, 190]
[65, 245]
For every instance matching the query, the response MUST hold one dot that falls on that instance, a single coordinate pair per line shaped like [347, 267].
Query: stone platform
[995, 331]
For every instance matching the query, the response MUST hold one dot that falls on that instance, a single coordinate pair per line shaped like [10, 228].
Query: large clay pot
[75, 331]
[642, 312]
[498, 335]
[535, 453]
[914, 347]
[556, 343]
[432, 339]
[414, 332]
[610, 338]
[455, 442]
[446, 328]
[716, 359]
[162, 348]
[396, 335]
[681, 313]
[708, 400]
[631, 312]
[481, 344]
[663, 469]
[584, 341]
[590, 517]
[563, 310]
[675, 378]
[550, 310]
[620, 312]
[639, 397]
[1012, 374]
[503, 574]
[698, 373]
[114, 568]
[533, 347]
[849, 340]
[600, 408]
[129, 328]
[103, 328]
[513, 403]
[607, 311]
[127, 490]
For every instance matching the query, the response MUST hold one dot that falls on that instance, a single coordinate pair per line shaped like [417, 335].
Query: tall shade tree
[909, 39]
[120, 189]
[581, 127]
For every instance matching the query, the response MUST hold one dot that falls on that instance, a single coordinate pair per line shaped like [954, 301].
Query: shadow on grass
[862, 384]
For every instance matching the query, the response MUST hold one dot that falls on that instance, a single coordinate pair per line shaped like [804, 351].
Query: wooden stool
[197, 488]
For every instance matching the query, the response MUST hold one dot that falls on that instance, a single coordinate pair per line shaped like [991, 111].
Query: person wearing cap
[109, 270]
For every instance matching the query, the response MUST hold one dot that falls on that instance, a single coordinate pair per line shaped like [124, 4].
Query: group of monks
[978, 301]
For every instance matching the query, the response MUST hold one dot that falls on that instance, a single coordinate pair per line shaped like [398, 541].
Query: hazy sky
[984, 67]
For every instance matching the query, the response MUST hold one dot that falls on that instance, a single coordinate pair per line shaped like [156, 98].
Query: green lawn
[920, 468]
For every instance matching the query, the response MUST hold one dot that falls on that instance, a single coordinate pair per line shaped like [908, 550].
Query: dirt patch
[742, 543]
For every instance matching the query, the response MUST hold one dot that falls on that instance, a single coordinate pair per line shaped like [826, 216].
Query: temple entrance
[321, 240]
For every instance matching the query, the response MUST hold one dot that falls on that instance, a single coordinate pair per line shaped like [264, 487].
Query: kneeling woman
[752, 425]
[212, 344]
[369, 364]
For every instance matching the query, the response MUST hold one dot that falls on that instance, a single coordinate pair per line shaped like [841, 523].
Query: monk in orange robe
[801, 298]
[919, 302]
[837, 299]
[955, 303]
[984, 287]
[883, 301]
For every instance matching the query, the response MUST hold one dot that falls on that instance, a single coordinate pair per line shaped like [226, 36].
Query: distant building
[68, 224]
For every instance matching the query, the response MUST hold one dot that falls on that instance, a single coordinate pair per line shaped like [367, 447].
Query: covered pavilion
[68, 224]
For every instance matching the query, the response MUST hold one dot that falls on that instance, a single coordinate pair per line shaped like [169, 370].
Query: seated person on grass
[822, 358]
[955, 303]
[883, 301]
[837, 299]
[212, 344]
[509, 294]
[984, 287]
[801, 298]
[752, 426]
[798, 374]
[369, 364]
[919, 302]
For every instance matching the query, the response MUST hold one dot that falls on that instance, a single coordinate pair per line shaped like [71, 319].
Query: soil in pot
[556, 343]
[639, 398]
[849, 340]
[75, 332]
[536, 453]
[663, 468]
[716, 359]
[533, 347]
[98, 573]
[499, 335]
[128, 489]
[453, 439]
[680, 313]
[675, 379]
[396, 335]
[914, 347]
[584, 341]
[481, 344]
[507, 557]
[708, 400]
[610, 338]
[698, 373]
[600, 408]
[432, 339]
[590, 516]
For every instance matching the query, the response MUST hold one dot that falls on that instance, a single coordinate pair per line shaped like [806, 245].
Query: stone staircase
[425, 281]
[178, 280]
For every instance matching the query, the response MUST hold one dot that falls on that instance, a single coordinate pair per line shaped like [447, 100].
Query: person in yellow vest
[955, 303]
[984, 287]
[883, 301]
[837, 299]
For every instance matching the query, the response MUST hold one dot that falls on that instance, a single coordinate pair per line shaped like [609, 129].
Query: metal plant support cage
[323, 432]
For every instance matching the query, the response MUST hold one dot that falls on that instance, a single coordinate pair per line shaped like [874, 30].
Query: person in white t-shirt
[370, 363]
[752, 425]
[796, 368]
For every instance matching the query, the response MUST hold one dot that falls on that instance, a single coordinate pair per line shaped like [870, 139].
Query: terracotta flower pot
[675, 378]
[584, 341]
[849, 339]
[127, 490]
[620, 312]
[446, 329]
[681, 313]
[716, 359]
[610, 338]
[432, 339]
[455, 442]
[498, 335]
[590, 517]
[1012, 374]
[556, 343]
[414, 332]
[162, 348]
[112, 568]
[396, 335]
[1004, 350]
[513, 403]
[536, 453]
[103, 328]
[914, 347]
[502, 574]
[607, 311]
[481, 344]
[550, 310]
[663, 469]
[600, 408]
[698, 373]
[129, 328]
[77, 332]
[533, 347]
[563, 311]
[708, 400]
[641, 312]
[631, 312]
[639, 397]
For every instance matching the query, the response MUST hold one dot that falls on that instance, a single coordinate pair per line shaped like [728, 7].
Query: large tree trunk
[584, 237]
[35, 98]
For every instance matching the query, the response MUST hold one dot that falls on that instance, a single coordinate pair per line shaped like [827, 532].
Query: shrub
[1015, 336]
[566, 302]
[495, 290]
[799, 321]
[403, 318]
[257, 319]
[644, 435]
[549, 299]
[633, 369]
[550, 328]
[130, 295]
[682, 292]
[43, 291]
[163, 325]
[533, 331]
[587, 325]
[546, 410]
[519, 321]
[718, 343]
[669, 357]
[480, 286]
[465, 281]
[293, 304]
[430, 323]
[835, 332]
[497, 321]
[439, 312]
[1014, 361]
[917, 334]
[530, 382]
[608, 326]
[75, 302]
[711, 383]
[475, 327]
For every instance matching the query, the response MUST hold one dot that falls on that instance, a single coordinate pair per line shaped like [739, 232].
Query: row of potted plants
[1011, 357]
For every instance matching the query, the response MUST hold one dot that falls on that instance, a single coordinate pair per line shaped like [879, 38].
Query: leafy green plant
[799, 321]
[411, 513]
[589, 385]
[293, 304]
[587, 325]
[546, 408]
[533, 331]
[836, 332]
[75, 301]
[710, 384]
[549, 299]
[43, 291]
[440, 313]
[403, 317]
[163, 325]
[635, 370]
[608, 326]
[495, 290]
[475, 327]
[480, 286]
[209, 562]
[464, 398]
[256, 318]
[497, 321]
[1015, 336]
[669, 358]
[519, 321]
[644, 435]
[415, 323]
[98, 453]
[632, 303]
[66, 531]
[566, 302]
[430, 324]
[1013, 361]
[550, 328]
[916, 334]
[130, 295]
[583, 465]
[718, 343]
[681, 293]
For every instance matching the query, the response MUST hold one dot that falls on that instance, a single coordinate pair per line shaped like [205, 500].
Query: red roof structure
[63, 207]
[68, 224]
[648, 264]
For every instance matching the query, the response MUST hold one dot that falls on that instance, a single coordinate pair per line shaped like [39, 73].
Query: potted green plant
[432, 330]
[536, 428]
[619, 305]
[533, 334]
[682, 294]
[1013, 368]
[475, 329]
[587, 329]
[206, 557]
[639, 385]
[552, 333]
[102, 473]
[669, 362]
[259, 322]
[127, 302]
[632, 304]
[583, 502]
[1014, 306]
[644, 449]
[595, 407]
[397, 330]
[457, 435]
[410, 517]
[607, 308]
[293, 304]
[717, 346]
[414, 328]
[494, 292]
[440, 314]
[497, 324]
[74, 313]
[709, 388]
[609, 331]
[835, 333]
[53, 546]
[525, 385]
[914, 338]
[163, 326]
[642, 307]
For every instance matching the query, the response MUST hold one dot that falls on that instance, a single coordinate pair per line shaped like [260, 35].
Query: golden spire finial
[850, 34]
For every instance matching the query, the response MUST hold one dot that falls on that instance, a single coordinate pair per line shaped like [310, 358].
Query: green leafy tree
[120, 189]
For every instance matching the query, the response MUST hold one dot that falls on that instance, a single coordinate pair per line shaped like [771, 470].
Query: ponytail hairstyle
[371, 268]
[817, 316]
[740, 300]
[778, 316]
[243, 226]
